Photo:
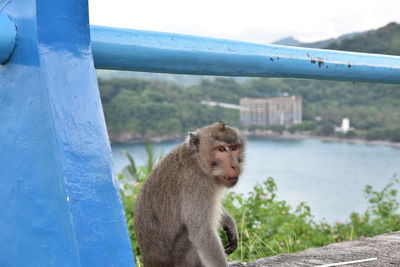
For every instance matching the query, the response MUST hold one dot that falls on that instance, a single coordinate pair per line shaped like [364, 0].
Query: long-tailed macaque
[179, 207]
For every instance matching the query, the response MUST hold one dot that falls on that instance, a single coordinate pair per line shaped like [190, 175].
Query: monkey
[179, 210]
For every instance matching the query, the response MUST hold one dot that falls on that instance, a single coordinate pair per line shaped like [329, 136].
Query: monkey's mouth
[231, 179]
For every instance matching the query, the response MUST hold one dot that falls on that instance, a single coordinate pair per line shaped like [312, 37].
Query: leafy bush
[132, 179]
[305, 126]
[268, 226]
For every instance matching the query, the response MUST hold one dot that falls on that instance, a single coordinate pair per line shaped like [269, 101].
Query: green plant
[132, 179]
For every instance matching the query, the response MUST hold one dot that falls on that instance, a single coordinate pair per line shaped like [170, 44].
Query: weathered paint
[8, 32]
[59, 201]
[125, 49]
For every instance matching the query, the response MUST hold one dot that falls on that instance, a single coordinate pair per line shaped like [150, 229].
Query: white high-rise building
[285, 111]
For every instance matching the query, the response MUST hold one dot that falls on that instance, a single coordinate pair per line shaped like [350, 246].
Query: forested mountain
[152, 108]
[290, 41]
[385, 40]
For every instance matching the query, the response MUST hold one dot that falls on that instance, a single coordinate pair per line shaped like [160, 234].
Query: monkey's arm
[229, 226]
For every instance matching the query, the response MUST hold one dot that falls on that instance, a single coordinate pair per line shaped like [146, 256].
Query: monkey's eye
[234, 147]
[221, 148]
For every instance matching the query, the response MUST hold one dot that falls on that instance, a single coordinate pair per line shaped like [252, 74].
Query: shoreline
[336, 139]
[360, 141]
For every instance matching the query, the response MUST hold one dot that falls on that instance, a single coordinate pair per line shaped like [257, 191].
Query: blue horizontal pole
[7, 37]
[137, 50]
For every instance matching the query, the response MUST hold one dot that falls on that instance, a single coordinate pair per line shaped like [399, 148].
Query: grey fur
[178, 209]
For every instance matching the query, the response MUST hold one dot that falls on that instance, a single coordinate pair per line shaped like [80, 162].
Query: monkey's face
[220, 151]
[226, 163]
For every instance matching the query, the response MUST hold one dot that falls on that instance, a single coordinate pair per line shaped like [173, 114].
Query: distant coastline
[337, 139]
[129, 137]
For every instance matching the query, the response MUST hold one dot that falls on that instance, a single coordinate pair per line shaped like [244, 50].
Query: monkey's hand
[232, 239]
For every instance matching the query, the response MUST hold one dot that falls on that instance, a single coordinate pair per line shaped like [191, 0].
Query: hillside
[385, 40]
[290, 41]
[153, 109]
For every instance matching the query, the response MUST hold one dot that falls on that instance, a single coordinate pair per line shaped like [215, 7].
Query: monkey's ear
[221, 126]
[194, 141]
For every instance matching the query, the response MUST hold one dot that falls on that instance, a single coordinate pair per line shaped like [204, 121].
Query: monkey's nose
[235, 168]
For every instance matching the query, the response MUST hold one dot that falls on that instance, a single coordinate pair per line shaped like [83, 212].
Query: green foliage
[384, 207]
[129, 196]
[325, 128]
[268, 226]
[385, 40]
[306, 126]
[130, 170]
[153, 108]
[277, 128]
[132, 179]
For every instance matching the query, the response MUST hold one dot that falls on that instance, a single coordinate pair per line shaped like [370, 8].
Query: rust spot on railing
[313, 60]
[320, 62]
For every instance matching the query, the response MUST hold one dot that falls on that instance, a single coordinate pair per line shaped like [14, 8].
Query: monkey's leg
[185, 255]
[156, 264]
[191, 259]
[202, 233]
[209, 246]
[156, 258]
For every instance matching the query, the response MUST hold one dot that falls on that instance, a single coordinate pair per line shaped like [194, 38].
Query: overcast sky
[252, 20]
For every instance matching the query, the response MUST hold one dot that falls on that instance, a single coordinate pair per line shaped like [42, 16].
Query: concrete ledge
[386, 248]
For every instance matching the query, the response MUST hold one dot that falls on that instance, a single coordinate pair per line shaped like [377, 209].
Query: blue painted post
[8, 33]
[59, 201]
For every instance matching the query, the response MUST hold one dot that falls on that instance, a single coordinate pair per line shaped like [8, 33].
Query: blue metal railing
[137, 50]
